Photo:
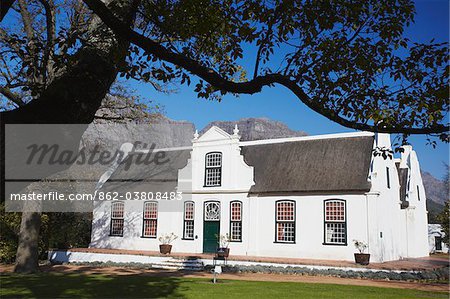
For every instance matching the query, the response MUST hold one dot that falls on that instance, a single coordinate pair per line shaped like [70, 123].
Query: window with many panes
[335, 222]
[236, 221]
[213, 169]
[285, 221]
[117, 211]
[188, 232]
[150, 223]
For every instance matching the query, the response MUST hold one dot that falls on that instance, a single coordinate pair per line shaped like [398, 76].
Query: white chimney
[404, 158]
[383, 140]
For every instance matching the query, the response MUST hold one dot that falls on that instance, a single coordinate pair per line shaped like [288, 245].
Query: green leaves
[347, 60]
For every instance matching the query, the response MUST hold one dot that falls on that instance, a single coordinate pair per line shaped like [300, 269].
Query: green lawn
[133, 286]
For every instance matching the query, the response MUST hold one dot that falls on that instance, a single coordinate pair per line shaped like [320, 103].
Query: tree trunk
[73, 97]
[27, 256]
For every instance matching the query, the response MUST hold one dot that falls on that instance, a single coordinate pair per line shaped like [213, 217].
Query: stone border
[436, 276]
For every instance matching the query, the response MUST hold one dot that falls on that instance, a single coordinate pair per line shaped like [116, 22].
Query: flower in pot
[224, 241]
[361, 257]
[165, 247]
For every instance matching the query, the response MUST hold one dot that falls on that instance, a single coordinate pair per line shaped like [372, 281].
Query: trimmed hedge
[436, 275]
[441, 274]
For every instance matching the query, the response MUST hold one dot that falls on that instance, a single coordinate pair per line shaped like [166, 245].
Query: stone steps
[179, 264]
[157, 262]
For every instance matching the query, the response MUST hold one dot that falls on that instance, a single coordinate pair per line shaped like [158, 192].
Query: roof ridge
[307, 138]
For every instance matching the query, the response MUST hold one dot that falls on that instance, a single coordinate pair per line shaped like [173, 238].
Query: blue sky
[277, 103]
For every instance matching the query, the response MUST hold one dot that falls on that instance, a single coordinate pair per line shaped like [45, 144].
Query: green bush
[58, 230]
[9, 228]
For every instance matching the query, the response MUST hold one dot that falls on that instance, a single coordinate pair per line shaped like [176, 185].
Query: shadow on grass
[56, 285]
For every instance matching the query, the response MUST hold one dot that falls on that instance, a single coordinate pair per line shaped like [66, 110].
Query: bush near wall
[58, 230]
[9, 228]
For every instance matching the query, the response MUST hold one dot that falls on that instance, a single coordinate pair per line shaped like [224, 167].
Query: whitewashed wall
[416, 215]
[384, 213]
[435, 230]
[374, 217]
[309, 228]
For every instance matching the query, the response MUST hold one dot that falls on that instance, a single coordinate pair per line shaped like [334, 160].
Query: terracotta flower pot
[165, 248]
[223, 252]
[362, 258]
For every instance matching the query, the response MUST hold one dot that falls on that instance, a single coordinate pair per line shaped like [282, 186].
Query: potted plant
[361, 257]
[223, 250]
[166, 247]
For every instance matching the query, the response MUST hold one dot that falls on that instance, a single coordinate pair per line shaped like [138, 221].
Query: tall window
[285, 221]
[213, 169]
[388, 179]
[236, 221]
[418, 192]
[116, 228]
[150, 219]
[335, 222]
[188, 220]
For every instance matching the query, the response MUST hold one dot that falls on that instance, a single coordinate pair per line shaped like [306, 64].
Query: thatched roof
[315, 166]
[133, 176]
[320, 165]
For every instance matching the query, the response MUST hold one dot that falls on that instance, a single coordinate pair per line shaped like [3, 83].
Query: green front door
[211, 231]
[211, 226]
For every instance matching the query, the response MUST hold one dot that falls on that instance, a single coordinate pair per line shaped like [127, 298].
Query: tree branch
[50, 20]
[5, 5]
[250, 87]
[27, 22]
[11, 96]
[29, 31]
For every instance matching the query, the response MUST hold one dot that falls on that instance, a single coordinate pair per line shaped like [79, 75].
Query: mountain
[256, 128]
[435, 189]
[436, 192]
[434, 209]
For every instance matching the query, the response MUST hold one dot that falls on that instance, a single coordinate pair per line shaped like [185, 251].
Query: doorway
[438, 243]
[211, 226]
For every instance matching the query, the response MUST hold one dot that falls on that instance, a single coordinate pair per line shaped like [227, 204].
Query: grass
[56, 285]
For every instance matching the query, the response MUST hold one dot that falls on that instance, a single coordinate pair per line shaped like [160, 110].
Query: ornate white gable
[214, 134]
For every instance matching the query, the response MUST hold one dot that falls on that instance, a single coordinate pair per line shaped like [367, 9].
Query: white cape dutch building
[302, 197]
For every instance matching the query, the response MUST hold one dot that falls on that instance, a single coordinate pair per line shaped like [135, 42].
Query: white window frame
[213, 169]
[188, 223]
[150, 220]
[117, 217]
[288, 225]
[236, 222]
[335, 220]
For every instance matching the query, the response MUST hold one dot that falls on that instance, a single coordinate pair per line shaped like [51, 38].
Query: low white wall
[88, 257]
